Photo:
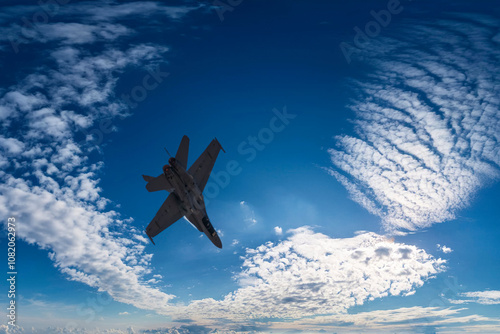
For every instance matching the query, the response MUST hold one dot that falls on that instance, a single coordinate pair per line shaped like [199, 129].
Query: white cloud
[123, 313]
[311, 273]
[77, 33]
[104, 11]
[402, 320]
[97, 21]
[180, 329]
[68, 33]
[489, 297]
[278, 230]
[11, 146]
[427, 124]
[248, 213]
[444, 249]
[312, 280]
[141, 238]
[80, 242]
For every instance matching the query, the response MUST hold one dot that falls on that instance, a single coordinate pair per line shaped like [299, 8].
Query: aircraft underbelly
[195, 221]
[202, 222]
[196, 214]
[186, 191]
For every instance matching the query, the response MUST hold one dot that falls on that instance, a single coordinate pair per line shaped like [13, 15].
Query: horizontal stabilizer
[147, 178]
[158, 183]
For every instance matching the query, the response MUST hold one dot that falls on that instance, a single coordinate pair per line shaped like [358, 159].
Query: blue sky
[372, 208]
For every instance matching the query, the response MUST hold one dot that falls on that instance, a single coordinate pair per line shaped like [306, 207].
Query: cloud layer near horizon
[489, 297]
[427, 122]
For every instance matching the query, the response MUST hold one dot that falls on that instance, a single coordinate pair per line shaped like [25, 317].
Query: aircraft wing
[202, 167]
[168, 214]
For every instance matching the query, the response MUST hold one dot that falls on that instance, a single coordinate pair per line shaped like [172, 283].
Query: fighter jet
[185, 187]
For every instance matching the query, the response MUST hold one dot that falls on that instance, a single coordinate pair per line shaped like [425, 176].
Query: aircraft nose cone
[217, 242]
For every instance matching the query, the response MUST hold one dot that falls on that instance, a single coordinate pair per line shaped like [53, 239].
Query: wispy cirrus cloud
[427, 122]
[402, 320]
[67, 33]
[490, 297]
[248, 213]
[83, 22]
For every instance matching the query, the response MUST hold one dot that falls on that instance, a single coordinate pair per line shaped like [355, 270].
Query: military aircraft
[185, 187]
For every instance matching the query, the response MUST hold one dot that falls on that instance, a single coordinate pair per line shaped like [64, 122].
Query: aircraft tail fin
[182, 152]
[220, 145]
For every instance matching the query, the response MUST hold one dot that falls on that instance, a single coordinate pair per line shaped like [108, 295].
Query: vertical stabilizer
[182, 152]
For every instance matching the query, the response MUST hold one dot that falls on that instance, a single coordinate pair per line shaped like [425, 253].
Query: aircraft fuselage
[190, 198]
[186, 191]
